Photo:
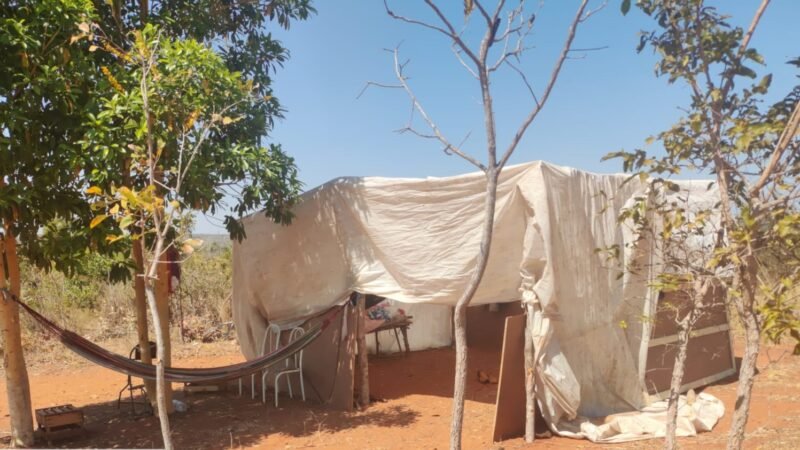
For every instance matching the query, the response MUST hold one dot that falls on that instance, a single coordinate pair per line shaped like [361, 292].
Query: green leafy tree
[239, 31]
[753, 152]
[239, 34]
[54, 82]
[241, 175]
[174, 98]
[45, 89]
[678, 227]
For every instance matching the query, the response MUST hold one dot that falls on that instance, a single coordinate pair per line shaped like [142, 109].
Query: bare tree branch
[376, 84]
[592, 12]
[551, 83]
[457, 52]
[448, 147]
[450, 31]
[744, 44]
[525, 80]
[589, 49]
[791, 130]
[415, 21]
[483, 11]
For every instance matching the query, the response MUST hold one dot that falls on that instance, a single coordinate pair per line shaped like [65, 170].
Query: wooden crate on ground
[57, 421]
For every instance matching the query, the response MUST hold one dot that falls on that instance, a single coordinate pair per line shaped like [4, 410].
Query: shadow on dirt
[220, 420]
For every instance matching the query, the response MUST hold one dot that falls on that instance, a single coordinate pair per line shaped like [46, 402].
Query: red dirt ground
[415, 413]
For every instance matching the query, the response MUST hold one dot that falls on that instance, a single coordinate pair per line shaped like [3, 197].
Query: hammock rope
[118, 363]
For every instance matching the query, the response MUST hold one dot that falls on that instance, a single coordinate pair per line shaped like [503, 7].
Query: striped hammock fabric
[122, 364]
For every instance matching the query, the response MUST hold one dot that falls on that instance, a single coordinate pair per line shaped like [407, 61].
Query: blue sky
[606, 101]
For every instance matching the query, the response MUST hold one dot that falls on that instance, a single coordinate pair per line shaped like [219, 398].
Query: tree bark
[17, 385]
[460, 313]
[140, 304]
[363, 359]
[745, 306]
[678, 370]
[530, 381]
[162, 300]
[161, 395]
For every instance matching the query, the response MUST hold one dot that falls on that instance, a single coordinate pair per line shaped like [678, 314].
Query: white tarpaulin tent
[416, 241]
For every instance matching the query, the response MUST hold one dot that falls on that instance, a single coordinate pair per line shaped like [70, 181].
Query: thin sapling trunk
[678, 371]
[460, 313]
[161, 385]
[746, 308]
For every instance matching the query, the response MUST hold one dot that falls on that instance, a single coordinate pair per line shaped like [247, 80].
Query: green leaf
[763, 85]
[746, 72]
[126, 221]
[625, 6]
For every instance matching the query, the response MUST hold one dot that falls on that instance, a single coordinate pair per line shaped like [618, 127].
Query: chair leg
[133, 404]
[277, 387]
[264, 386]
[289, 383]
[302, 386]
[119, 398]
[253, 386]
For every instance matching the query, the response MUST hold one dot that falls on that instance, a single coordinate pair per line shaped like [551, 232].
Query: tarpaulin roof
[417, 240]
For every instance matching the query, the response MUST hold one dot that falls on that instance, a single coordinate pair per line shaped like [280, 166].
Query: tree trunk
[530, 372]
[460, 313]
[162, 300]
[363, 360]
[678, 370]
[745, 306]
[140, 304]
[161, 395]
[17, 385]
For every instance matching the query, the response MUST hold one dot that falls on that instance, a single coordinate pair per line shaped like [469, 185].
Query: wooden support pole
[17, 385]
[363, 360]
[530, 371]
[162, 301]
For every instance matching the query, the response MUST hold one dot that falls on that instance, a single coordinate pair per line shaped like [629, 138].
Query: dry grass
[102, 311]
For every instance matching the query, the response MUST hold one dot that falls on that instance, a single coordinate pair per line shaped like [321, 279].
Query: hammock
[127, 366]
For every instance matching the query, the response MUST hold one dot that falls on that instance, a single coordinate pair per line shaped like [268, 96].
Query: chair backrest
[272, 339]
[296, 333]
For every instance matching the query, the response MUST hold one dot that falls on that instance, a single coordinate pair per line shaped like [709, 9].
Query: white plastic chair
[270, 343]
[294, 364]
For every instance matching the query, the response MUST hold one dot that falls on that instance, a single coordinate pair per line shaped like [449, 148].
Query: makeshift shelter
[416, 240]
